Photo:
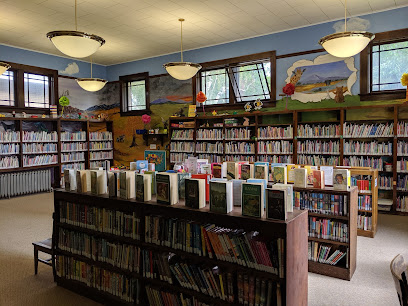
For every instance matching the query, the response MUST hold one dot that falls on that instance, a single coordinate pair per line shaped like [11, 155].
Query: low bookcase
[88, 229]
[322, 212]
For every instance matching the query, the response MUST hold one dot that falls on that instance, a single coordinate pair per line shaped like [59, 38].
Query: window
[7, 96]
[36, 91]
[238, 80]
[135, 94]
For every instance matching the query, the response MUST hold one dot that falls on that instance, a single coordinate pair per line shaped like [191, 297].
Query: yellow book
[192, 109]
[291, 173]
[310, 174]
[222, 287]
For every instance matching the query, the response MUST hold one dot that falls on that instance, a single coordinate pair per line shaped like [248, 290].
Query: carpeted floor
[27, 219]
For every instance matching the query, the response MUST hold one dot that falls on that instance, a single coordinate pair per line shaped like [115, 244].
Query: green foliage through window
[136, 93]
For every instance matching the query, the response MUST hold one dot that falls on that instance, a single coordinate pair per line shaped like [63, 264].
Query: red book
[207, 178]
[318, 179]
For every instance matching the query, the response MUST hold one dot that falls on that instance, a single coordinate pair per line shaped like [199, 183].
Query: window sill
[135, 113]
[384, 95]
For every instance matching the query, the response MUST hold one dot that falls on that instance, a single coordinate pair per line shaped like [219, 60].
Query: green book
[140, 196]
[280, 175]
[181, 183]
[221, 196]
[252, 199]
[153, 173]
[163, 189]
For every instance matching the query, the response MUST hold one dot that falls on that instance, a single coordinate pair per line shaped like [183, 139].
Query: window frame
[123, 81]
[366, 73]
[230, 63]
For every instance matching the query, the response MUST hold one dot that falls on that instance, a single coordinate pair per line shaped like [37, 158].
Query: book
[83, 179]
[216, 170]
[191, 165]
[318, 179]
[252, 199]
[280, 174]
[310, 174]
[201, 163]
[142, 165]
[247, 171]
[192, 109]
[207, 178]
[127, 184]
[231, 171]
[261, 171]
[341, 179]
[195, 193]
[153, 174]
[167, 188]
[238, 168]
[99, 184]
[237, 192]
[206, 169]
[70, 180]
[328, 175]
[275, 204]
[221, 196]
[181, 176]
[291, 172]
[113, 184]
[264, 184]
[300, 176]
[289, 194]
[143, 187]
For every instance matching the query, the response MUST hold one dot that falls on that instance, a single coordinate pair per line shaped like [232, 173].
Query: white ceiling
[136, 29]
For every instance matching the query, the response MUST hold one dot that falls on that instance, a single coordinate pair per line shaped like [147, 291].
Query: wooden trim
[383, 95]
[300, 53]
[238, 59]
[391, 35]
[123, 80]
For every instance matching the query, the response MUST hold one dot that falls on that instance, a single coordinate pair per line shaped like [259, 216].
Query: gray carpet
[27, 219]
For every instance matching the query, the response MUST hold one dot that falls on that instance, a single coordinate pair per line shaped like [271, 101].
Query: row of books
[364, 202]
[75, 136]
[328, 229]
[402, 165]
[101, 155]
[99, 249]
[327, 254]
[318, 131]
[31, 136]
[363, 130]
[402, 148]
[95, 136]
[205, 134]
[74, 146]
[9, 136]
[210, 147]
[239, 148]
[104, 145]
[178, 157]
[72, 157]
[37, 160]
[402, 129]
[182, 146]
[364, 222]
[317, 146]
[258, 291]
[402, 204]
[212, 158]
[9, 149]
[238, 134]
[164, 298]
[385, 182]
[96, 164]
[29, 148]
[373, 162]
[317, 160]
[100, 219]
[272, 159]
[272, 132]
[126, 288]
[364, 148]
[321, 203]
[278, 147]
[25, 182]
[362, 184]
[402, 182]
[182, 134]
[76, 166]
[236, 158]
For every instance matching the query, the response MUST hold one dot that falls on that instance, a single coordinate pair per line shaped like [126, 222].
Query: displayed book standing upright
[332, 229]
[146, 264]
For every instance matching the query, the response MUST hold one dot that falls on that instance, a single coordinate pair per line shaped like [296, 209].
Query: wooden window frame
[225, 63]
[366, 94]
[123, 81]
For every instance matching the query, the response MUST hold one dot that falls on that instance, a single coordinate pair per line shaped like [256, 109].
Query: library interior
[193, 153]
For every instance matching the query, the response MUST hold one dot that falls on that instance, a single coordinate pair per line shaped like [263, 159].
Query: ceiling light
[4, 67]
[75, 43]
[347, 43]
[91, 84]
[182, 70]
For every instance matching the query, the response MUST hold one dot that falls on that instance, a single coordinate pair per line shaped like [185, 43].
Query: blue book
[142, 165]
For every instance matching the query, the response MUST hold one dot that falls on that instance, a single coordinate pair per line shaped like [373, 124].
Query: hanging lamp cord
[181, 27]
[345, 15]
[76, 23]
[91, 67]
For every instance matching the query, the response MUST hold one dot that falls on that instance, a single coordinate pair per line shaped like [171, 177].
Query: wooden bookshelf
[293, 231]
[341, 270]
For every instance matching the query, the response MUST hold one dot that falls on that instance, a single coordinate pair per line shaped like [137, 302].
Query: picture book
[275, 204]
[261, 172]
[167, 188]
[191, 164]
[289, 194]
[341, 179]
[280, 174]
[291, 172]
[310, 174]
[328, 175]
[206, 169]
[300, 177]
[207, 178]
[142, 165]
[181, 187]
[231, 171]
[318, 179]
[252, 199]
[201, 163]
[221, 197]
[216, 170]
[247, 171]
[237, 192]
[195, 193]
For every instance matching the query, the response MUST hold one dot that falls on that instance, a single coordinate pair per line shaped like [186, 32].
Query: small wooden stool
[45, 247]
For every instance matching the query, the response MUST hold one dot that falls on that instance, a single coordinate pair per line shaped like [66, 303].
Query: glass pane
[376, 66]
[391, 86]
[36, 90]
[7, 88]
[215, 85]
[403, 44]
[137, 95]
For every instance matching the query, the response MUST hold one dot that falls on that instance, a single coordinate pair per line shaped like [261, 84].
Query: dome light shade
[4, 67]
[346, 44]
[76, 44]
[91, 84]
[182, 70]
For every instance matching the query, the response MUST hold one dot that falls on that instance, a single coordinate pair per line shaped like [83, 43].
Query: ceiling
[136, 29]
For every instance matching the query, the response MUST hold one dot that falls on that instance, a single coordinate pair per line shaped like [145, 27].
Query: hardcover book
[280, 174]
[341, 179]
[261, 172]
[247, 171]
[310, 174]
[252, 199]
[300, 177]
[275, 204]
[99, 184]
[143, 187]
[231, 171]
[167, 188]
[113, 184]
[291, 172]
[195, 193]
[318, 179]
[328, 175]
[153, 174]
[83, 179]
[70, 180]
[127, 184]
[221, 197]
[181, 179]
[207, 178]
[237, 192]
[216, 170]
[238, 169]
[289, 194]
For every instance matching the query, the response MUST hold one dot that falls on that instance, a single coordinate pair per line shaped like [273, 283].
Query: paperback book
[318, 179]
[252, 199]
[99, 184]
[300, 178]
[289, 194]
[291, 172]
[237, 192]
[247, 171]
[310, 174]
[328, 175]
[341, 179]
[261, 171]
[280, 174]
[216, 170]
[195, 193]
[167, 188]
[143, 187]
[231, 171]
[221, 196]
[182, 176]
[275, 204]
[127, 184]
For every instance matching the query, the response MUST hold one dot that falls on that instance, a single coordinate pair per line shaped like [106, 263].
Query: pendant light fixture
[75, 43]
[91, 84]
[4, 67]
[182, 70]
[347, 43]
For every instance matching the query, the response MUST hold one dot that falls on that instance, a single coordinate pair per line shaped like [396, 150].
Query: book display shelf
[148, 251]
[332, 229]
[329, 137]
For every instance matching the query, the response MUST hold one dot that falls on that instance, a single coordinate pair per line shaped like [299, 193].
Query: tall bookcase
[77, 218]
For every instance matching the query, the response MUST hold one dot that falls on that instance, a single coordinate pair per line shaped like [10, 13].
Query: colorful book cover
[140, 188]
[309, 170]
[216, 170]
[162, 188]
[142, 165]
[157, 157]
[218, 197]
[252, 200]
[291, 172]
[192, 193]
[192, 109]
[245, 172]
[341, 179]
[318, 179]
[300, 180]
[231, 174]
[261, 172]
[275, 206]
[279, 174]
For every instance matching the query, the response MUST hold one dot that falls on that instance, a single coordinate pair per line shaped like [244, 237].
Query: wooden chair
[44, 246]
[398, 270]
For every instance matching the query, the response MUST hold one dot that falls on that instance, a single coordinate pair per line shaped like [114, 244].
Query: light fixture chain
[76, 23]
[91, 67]
[181, 26]
[345, 15]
